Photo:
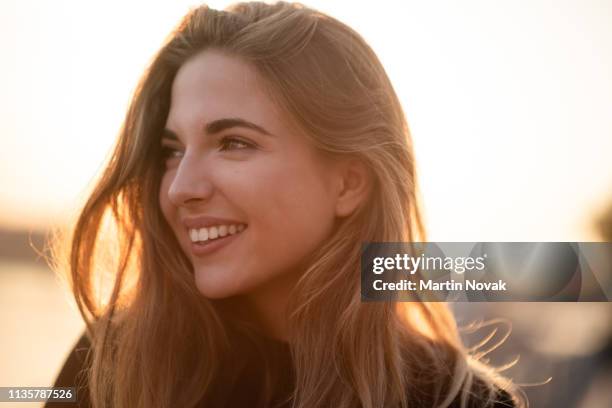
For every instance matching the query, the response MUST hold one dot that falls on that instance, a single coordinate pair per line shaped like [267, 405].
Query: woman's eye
[232, 143]
[171, 153]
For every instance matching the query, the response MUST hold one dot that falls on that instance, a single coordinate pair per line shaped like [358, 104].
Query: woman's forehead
[214, 85]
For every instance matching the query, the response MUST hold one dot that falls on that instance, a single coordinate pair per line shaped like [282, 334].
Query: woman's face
[247, 197]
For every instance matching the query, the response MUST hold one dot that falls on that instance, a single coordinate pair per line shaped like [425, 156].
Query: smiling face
[231, 155]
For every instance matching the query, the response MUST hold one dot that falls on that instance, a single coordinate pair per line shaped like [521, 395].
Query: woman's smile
[207, 234]
[204, 234]
[208, 240]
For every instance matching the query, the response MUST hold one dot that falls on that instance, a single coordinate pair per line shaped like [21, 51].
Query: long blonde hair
[346, 353]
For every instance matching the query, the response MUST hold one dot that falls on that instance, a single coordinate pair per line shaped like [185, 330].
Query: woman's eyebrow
[219, 125]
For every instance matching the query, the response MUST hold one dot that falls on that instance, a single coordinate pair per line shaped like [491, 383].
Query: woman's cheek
[164, 200]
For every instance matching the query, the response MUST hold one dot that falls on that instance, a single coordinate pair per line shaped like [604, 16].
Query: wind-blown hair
[157, 342]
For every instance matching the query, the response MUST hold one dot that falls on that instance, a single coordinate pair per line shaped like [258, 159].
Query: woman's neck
[266, 307]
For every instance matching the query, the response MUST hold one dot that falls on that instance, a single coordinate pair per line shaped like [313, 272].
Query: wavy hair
[346, 353]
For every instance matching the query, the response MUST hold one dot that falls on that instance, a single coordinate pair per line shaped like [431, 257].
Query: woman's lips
[203, 248]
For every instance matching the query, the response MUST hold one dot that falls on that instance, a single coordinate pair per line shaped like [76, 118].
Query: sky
[509, 105]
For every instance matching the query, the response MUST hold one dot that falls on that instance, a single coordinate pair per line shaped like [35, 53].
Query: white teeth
[205, 234]
[213, 232]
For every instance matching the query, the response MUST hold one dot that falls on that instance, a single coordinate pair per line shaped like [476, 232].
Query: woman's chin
[213, 287]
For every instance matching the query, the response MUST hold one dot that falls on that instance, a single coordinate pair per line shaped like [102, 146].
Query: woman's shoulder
[478, 398]
[482, 392]
[73, 373]
[501, 400]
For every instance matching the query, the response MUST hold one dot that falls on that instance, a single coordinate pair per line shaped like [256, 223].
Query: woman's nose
[191, 182]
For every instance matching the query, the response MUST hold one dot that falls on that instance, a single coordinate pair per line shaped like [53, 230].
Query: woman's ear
[355, 185]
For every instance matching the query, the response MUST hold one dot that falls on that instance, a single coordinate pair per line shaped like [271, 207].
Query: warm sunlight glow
[508, 103]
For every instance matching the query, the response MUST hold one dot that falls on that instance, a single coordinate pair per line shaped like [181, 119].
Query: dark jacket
[241, 391]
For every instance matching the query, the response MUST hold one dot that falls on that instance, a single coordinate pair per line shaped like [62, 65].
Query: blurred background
[510, 109]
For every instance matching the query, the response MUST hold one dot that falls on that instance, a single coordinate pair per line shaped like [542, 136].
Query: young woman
[263, 145]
